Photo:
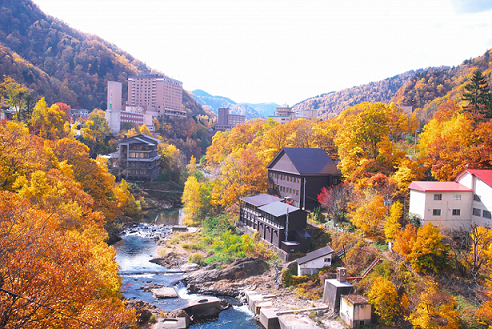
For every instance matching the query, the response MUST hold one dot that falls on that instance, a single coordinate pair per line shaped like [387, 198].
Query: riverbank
[208, 280]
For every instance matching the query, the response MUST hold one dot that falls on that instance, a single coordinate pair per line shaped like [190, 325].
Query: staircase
[367, 271]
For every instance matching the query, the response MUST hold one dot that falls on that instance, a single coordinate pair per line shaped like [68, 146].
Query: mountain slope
[333, 103]
[62, 63]
[423, 88]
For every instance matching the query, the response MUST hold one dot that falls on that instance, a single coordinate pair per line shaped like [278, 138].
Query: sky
[284, 51]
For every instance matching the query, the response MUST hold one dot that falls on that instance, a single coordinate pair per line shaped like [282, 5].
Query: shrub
[197, 259]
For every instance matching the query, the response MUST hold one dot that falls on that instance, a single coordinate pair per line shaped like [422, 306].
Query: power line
[14, 295]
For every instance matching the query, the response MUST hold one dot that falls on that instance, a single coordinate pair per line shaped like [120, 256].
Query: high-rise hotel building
[155, 92]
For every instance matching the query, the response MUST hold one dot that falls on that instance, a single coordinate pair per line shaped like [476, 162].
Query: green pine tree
[478, 96]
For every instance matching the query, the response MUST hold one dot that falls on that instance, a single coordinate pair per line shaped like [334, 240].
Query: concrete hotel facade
[157, 91]
[228, 121]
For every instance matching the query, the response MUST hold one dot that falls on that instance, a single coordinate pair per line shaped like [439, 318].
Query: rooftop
[321, 252]
[356, 299]
[260, 199]
[438, 187]
[483, 175]
[139, 139]
[308, 160]
[278, 208]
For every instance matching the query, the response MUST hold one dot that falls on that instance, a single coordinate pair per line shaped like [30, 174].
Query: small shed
[314, 261]
[355, 310]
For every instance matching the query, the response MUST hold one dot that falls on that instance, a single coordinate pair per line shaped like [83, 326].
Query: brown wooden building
[299, 174]
[138, 158]
[272, 217]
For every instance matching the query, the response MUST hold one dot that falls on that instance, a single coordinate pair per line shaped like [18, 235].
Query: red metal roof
[482, 174]
[439, 187]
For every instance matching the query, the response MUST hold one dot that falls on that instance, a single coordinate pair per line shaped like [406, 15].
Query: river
[135, 250]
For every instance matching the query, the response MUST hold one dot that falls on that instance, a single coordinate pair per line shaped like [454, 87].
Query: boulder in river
[165, 292]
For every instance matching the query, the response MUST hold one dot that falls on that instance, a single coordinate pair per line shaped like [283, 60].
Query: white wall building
[454, 205]
[314, 261]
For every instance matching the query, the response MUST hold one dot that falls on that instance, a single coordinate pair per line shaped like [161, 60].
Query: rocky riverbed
[219, 279]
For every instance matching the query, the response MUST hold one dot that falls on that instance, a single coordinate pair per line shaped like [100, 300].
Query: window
[437, 196]
[486, 214]
[456, 212]
[327, 260]
[476, 198]
[436, 212]
[457, 197]
[476, 212]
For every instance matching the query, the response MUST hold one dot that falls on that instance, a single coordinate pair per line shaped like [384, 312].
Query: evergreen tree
[478, 96]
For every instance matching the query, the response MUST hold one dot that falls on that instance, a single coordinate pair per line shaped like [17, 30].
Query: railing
[367, 271]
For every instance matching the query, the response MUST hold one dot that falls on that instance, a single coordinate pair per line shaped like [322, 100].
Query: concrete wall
[423, 204]
[484, 193]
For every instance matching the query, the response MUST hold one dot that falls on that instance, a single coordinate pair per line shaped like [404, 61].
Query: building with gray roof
[277, 222]
[299, 174]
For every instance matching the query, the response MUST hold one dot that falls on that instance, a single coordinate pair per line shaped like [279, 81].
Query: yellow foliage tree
[435, 310]
[191, 198]
[192, 165]
[384, 298]
[55, 277]
[145, 130]
[369, 214]
[422, 247]
[392, 224]
[50, 122]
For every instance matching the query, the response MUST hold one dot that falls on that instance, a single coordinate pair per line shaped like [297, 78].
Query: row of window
[138, 172]
[484, 213]
[438, 197]
[437, 212]
[457, 212]
[287, 189]
[139, 155]
[286, 177]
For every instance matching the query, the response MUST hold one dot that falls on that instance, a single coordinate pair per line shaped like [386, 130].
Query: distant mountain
[251, 111]
[61, 63]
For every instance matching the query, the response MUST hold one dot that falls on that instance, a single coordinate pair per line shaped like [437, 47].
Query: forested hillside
[418, 89]
[428, 89]
[61, 63]
[331, 104]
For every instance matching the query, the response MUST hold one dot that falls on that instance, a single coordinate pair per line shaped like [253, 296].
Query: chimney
[341, 274]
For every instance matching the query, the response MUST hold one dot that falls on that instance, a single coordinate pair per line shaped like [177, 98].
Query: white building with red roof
[454, 205]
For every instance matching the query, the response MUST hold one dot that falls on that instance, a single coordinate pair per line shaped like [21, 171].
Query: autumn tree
[422, 247]
[392, 224]
[171, 161]
[191, 198]
[50, 122]
[18, 98]
[242, 174]
[472, 249]
[54, 277]
[435, 309]
[94, 132]
[362, 134]
[19, 153]
[385, 300]
[335, 200]
[145, 130]
[369, 214]
[450, 146]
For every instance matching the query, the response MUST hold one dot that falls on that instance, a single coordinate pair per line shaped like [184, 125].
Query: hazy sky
[284, 51]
